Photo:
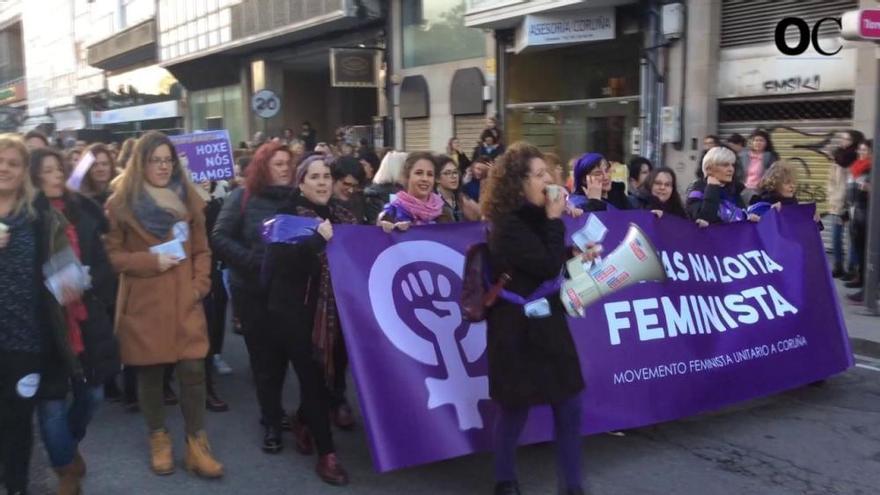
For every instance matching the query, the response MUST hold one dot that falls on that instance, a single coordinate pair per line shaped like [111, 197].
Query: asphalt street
[818, 440]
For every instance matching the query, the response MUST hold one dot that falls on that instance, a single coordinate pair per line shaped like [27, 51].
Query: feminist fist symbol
[459, 389]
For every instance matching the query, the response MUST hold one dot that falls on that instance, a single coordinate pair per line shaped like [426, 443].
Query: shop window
[571, 130]
[434, 32]
[604, 69]
[225, 102]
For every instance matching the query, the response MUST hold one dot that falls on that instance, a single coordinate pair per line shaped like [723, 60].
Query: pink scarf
[422, 211]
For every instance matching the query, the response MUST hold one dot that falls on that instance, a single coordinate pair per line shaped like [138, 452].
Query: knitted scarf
[157, 209]
[422, 212]
[325, 331]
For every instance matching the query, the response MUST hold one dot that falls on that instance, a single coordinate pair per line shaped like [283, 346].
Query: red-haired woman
[236, 240]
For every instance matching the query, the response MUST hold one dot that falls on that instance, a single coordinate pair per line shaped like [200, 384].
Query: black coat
[706, 206]
[642, 200]
[375, 198]
[463, 162]
[100, 359]
[617, 199]
[236, 237]
[295, 269]
[531, 360]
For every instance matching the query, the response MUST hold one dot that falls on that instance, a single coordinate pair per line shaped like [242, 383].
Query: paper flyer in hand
[80, 171]
[173, 247]
[64, 271]
[593, 232]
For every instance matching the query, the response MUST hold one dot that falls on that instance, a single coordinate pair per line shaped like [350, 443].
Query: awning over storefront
[213, 71]
[152, 111]
[467, 92]
[414, 102]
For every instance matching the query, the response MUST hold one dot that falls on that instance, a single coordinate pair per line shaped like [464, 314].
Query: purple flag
[748, 310]
[288, 229]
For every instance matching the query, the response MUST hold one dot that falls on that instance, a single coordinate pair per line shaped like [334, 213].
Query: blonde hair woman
[31, 319]
[159, 314]
[387, 181]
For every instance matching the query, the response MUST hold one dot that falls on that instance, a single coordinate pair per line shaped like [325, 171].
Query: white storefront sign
[776, 75]
[161, 110]
[565, 27]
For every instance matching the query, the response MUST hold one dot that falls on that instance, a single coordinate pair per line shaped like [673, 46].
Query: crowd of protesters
[154, 315]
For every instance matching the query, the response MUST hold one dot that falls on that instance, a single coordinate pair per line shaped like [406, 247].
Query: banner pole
[872, 251]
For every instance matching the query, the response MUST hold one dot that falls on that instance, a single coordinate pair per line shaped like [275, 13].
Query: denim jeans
[837, 241]
[63, 422]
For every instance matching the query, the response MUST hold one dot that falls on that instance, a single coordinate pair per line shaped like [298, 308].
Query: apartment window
[434, 32]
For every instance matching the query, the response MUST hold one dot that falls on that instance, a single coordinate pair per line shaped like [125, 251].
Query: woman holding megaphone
[532, 357]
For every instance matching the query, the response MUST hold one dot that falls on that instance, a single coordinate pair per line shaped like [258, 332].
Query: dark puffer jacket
[236, 238]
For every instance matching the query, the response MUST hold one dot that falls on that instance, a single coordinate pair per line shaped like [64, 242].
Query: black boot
[857, 297]
[507, 488]
[272, 439]
[838, 271]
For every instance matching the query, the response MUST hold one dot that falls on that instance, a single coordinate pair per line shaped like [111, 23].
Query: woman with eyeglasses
[593, 188]
[158, 244]
[659, 193]
[455, 204]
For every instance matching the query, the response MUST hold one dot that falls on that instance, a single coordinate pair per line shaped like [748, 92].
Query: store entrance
[309, 96]
[570, 129]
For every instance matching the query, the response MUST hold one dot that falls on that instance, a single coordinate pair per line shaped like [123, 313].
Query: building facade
[570, 73]
[737, 80]
[13, 90]
[444, 76]
[324, 59]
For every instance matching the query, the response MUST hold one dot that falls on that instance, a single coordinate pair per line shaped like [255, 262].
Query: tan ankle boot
[199, 458]
[79, 465]
[68, 480]
[161, 458]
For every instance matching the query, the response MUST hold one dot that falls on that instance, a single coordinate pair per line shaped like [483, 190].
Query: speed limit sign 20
[265, 103]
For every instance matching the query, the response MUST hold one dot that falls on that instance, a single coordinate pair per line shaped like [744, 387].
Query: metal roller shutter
[802, 131]
[746, 22]
[468, 129]
[417, 135]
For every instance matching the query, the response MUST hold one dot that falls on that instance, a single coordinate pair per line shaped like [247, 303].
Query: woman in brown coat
[158, 244]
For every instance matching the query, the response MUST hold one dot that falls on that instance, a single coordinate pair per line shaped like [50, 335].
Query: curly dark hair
[504, 187]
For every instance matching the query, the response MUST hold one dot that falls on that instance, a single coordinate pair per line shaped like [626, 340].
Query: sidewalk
[864, 330]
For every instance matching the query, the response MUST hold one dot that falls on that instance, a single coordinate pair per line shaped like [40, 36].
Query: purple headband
[303, 167]
[585, 164]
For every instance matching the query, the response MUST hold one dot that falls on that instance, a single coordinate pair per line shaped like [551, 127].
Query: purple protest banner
[207, 155]
[748, 310]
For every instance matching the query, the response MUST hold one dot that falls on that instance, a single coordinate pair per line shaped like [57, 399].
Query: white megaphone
[634, 260]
